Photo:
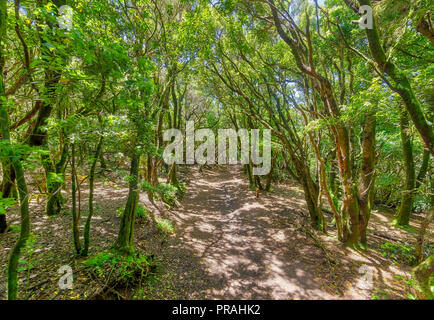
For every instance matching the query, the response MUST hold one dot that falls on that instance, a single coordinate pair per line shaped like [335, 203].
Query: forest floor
[228, 244]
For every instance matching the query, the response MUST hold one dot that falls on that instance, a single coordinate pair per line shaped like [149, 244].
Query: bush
[168, 193]
[123, 271]
[166, 226]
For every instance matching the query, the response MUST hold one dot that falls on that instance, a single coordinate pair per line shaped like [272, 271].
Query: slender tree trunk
[368, 175]
[6, 165]
[404, 213]
[12, 288]
[91, 189]
[12, 270]
[102, 162]
[423, 168]
[125, 241]
[311, 197]
[420, 241]
[171, 177]
[270, 174]
[75, 215]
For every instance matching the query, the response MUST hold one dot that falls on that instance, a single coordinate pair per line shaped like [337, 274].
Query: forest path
[242, 245]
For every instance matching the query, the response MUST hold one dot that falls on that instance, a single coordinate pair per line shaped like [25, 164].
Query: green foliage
[142, 212]
[168, 193]
[398, 252]
[5, 203]
[123, 271]
[27, 261]
[166, 226]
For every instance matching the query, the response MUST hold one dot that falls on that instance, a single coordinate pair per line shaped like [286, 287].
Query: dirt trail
[241, 244]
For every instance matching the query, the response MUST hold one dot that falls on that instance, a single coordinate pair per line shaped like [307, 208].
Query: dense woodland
[83, 105]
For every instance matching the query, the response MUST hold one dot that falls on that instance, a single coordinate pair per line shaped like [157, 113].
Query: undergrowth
[119, 271]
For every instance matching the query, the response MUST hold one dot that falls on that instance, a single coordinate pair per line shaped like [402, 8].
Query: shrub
[166, 226]
[168, 193]
[123, 271]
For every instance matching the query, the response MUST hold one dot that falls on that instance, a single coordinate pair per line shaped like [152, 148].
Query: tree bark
[368, 175]
[91, 190]
[12, 270]
[404, 213]
[75, 214]
[423, 274]
[125, 241]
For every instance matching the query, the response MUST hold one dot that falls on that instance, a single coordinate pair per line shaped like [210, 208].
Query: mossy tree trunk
[14, 159]
[368, 174]
[399, 83]
[55, 175]
[404, 213]
[6, 165]
[91, 191]
[424, 274]
[38, 136]
[75, 214]
[125, 241]
[420, 240]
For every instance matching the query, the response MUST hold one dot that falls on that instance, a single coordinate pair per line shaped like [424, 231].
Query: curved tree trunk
[400, 84]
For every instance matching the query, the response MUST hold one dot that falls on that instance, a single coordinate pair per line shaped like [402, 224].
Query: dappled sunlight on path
[237, 239]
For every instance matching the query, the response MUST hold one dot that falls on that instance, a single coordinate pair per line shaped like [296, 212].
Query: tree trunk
[368, 175]
[403, 216]
[12, 270]
[75, 215]
[423, 274]
[400, 84]
[171, 177]
[125, 241]
[270, 174]
[55, 174]
[423, 168]
[12, 288]
[420, 241]
[91, 189]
